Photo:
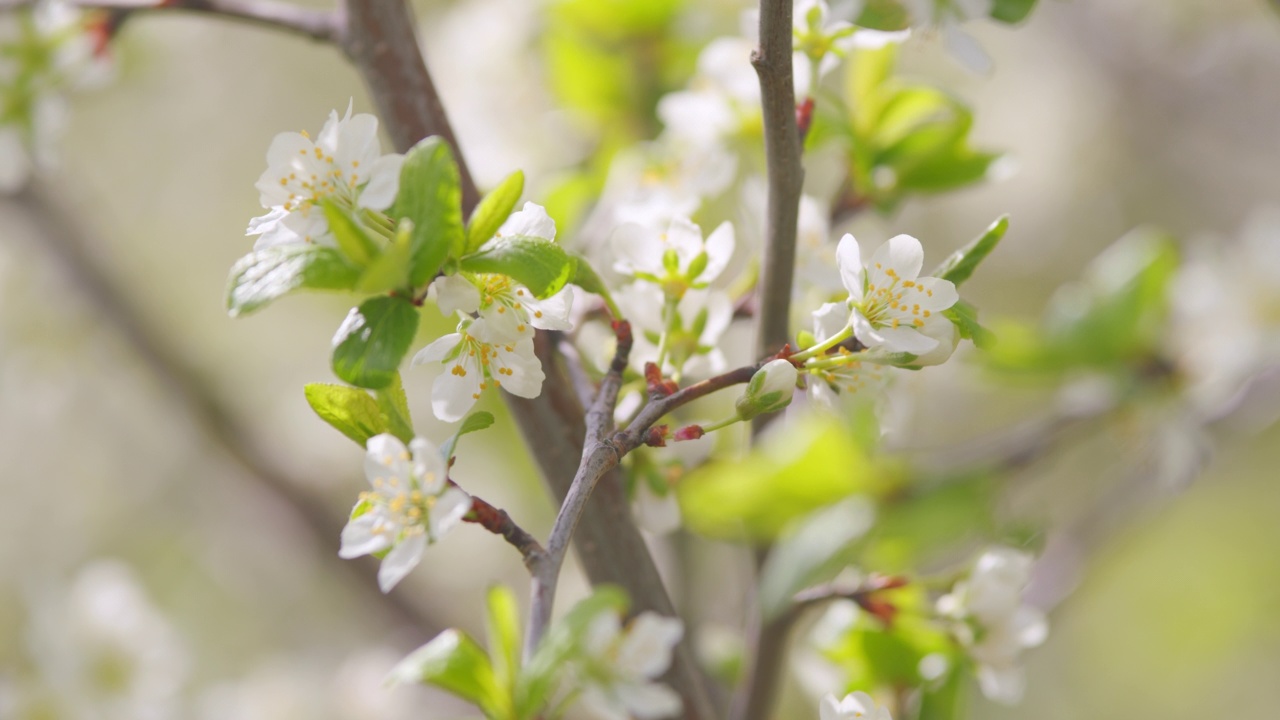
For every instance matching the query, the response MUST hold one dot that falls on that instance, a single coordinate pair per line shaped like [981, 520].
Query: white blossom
[993, 623]
[677, 258]
[344, 163]
[723, 99]
[947, 16]
[823, 40]
[618, 667]
[854, 706]
[849, 377]
[693, 327]
[892, 305]
[477, 358]
[410, 505]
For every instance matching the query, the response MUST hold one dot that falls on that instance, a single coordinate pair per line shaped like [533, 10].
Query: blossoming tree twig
[320, 25]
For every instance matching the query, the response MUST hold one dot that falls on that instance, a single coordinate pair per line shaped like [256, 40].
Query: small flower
[479, 358]
[820, 42]
[693, 327]
[769, 390]
[411, 504]
[854, 706]
[993, 623]
[892, 305]
[345, 164]
[723, 99]
[850, 376]
[618, 667]
[678, 259]
[948, 15]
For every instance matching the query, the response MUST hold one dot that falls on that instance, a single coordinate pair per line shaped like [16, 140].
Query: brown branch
[755, 698]
[498, 522]
[319, 25]
[71, 248]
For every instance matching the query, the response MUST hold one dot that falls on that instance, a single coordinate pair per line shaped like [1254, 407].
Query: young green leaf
[431, 196]
[349, 410]
[395, 410]
[502, 623]
[373, 340]
[264, 275]
[474, 422]
[1011, 11]
[965, 318]
[964, 261]
[539, 264]
[390, 270]
[813, 553]
[493, 211]
[454, 662]
[586, 277]
[561, 642]
[353, 239]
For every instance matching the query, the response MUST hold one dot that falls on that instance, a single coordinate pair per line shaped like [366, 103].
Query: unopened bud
[770, 389]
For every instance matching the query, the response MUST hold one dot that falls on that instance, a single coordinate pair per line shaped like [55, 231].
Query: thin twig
[319, 25]
[498, 522]
[70, 247]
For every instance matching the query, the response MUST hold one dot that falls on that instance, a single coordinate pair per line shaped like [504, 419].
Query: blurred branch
[71, 248]
[498, 522]
[379, 38]
[755, 698]
[316, 24]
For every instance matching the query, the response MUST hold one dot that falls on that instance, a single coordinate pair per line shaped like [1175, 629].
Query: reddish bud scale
[657, 436]
[657, 386]
[689, 432]
[883, 610]
[804, 117]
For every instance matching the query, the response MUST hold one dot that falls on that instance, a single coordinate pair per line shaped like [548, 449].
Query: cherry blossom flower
[479, 357]
[843, 375]
[344, 164]
[821, 41]
[893, 307]
[947, 16]
[691, 327]
[854, 706]
[994, 625]
[618, 667]
[770, 389]
[677, 259]
[411, 504]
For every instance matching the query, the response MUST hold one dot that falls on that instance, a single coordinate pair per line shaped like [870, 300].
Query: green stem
[824, 346]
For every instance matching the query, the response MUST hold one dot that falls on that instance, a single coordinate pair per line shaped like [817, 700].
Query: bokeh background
[155, 446]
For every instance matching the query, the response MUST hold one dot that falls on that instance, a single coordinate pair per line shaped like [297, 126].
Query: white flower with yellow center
[410, 505]
[477, 358]
[676, 259]
[344, 164]
[841, 374]
[893, 307]
[993, 623]
[618, 667]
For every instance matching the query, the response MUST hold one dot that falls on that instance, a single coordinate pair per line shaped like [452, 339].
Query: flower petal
[429, 466]
[531, 221]
[649, 701]
[933, 294]
[849, 261]
[903, 254]
[403, 558]
[384, 183]
[448, 511]
[637, 249]
[452, 395]
[719, 248]
[387, 459]
[905, 339]
[365, 535]
[438, 350]
[454, 294]
[646, 650]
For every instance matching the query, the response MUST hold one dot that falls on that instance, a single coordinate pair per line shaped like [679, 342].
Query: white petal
[849, 261]
[357, 141]
[903, 254]
[600, 705]
[603, 630]
[501, 324]
[387, 459]
[359, 538]
[448, 511]
[830, 320]
[649, 701]
[719, 248]
[531, 221]
[646, 650]
[638, 249]
[526, 375]
[1003, 685]
[553, 312]
[453, 395]
[438, 350]
[454, 294]
[932, 294]
[867, 39]
[402, 558]
[429, 466]
[967, 50]
[685, 238]
[905, 339]
[657, 514]
[829, 708]
[1030, 627]
[384, 183]
[258, 225]
[944, 331]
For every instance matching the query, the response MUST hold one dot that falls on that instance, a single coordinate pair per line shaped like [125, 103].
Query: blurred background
[159, 459]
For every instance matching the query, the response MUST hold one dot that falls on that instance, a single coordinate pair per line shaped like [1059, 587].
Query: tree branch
[498, 522]
[772, 60]
[71, 249]
[319, 25]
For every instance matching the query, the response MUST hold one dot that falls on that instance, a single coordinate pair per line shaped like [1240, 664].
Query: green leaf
[883, 15]
[586, 277]
[390, 270]
[431, 196]
[502, 623]
[964, 261]
[394, 405]
[1011, 11]
[805, 466]
[264, 275]
[475, 422]
[353, 239]
[563, 641]
[873, 657]
[965, 318]
[349, 410]
[456, 663]
[373, 340]
[537, 263]
[925, 523]
[492, 211]
[815, 552]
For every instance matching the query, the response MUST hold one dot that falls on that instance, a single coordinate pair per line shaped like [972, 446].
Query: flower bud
[770, 389]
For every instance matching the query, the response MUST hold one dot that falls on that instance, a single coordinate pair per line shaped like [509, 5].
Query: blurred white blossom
[620, 664]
